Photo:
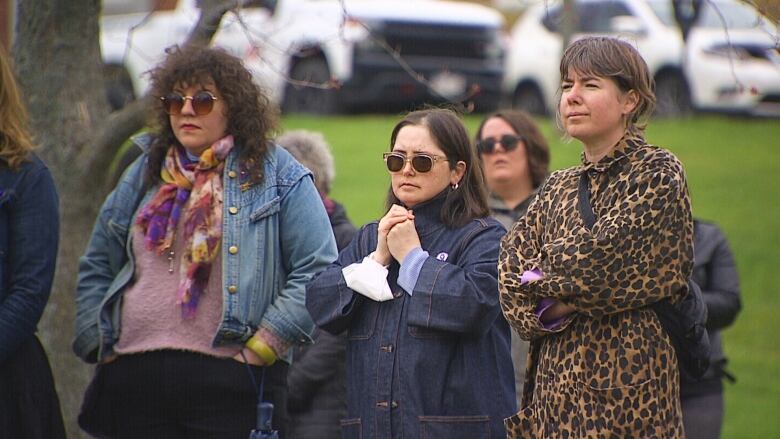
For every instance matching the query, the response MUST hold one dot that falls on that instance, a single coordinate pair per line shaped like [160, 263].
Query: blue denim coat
[29, 236]
[283, 237]
[432, 365]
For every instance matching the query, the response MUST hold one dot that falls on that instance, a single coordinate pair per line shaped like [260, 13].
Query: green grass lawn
[733, 168]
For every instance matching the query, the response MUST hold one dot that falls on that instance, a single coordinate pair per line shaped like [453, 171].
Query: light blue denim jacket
[283, 237]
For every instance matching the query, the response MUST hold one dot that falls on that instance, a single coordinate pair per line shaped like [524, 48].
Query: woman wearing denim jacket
[198, 263]
[428, 349]
[29, 236]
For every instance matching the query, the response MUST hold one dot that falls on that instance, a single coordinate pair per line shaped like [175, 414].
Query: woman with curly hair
[198, 263]
[29, 234]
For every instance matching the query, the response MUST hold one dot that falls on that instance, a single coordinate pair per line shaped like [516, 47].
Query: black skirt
[29, 406]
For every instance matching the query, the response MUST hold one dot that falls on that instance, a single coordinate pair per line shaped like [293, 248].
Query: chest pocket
[364, 322]
[270, 208]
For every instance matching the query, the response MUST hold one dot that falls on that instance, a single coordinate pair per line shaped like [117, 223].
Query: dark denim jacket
[29, 236]
[433, 365]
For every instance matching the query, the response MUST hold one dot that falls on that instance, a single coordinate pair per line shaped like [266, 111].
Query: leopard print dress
[609, 370]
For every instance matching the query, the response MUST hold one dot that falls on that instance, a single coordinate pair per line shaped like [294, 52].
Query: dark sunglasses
[202, 103]
[421, 162]
[507, 141]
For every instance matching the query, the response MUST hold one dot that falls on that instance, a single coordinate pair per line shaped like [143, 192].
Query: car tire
[310, 100]
[673, 96]
[119, 86]
[529, 98]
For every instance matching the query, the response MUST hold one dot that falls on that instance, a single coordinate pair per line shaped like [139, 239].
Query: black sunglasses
[421, 162]
[202, 103]
[507, 141]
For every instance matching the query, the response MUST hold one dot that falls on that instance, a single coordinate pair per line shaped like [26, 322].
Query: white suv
[734, 71]
[455, 47]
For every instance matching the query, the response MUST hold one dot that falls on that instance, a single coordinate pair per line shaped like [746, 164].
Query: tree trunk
[58, 64]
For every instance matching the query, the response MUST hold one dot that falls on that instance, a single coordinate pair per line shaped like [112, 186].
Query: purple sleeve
[543, 306]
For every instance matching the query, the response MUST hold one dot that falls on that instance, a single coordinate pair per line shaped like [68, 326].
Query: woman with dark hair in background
[29, 237]
[198, 262]
[516, 160]
[317, 378]
[580, 290]
[428, 350]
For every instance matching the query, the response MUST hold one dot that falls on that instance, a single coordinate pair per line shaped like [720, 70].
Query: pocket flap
[266, 210]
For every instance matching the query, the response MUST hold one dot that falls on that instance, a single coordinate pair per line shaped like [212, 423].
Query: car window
[597, 17]
[736, 15]
[590, 17]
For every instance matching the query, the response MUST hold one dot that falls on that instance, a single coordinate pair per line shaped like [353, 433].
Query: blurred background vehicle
[730, 63]
[328, 56]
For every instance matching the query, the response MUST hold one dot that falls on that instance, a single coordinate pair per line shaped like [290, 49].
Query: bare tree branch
[118, 127]
[211, 12]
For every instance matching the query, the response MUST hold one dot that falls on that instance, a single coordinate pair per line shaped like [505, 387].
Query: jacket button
[394, 404]
[232, 289]
[233, 249]
[387, 348]
[233, 210]
[232, 174]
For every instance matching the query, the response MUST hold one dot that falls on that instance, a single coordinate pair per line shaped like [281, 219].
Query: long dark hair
[251, 118]
[536, 149]
[469, 200]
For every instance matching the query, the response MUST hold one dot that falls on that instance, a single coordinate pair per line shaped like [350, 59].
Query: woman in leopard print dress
[601, 365]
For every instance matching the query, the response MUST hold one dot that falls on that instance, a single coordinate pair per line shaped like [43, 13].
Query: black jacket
[715, 271]
[316, 378]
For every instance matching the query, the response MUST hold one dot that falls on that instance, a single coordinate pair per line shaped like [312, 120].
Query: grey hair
[313, 151]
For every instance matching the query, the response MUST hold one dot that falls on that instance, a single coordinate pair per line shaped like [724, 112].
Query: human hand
[396, 215]
[250, 356]
[402, 238]
[108, 358]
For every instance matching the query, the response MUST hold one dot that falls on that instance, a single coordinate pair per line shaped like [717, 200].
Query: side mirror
[627, 24]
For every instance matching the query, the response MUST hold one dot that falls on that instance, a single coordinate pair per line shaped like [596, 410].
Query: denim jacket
[433, 364]
[29, 235]
[283, 237]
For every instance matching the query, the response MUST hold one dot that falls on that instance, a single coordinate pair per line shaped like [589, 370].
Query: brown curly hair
[251, 117]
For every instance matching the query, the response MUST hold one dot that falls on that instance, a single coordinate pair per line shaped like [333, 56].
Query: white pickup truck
[455, 48]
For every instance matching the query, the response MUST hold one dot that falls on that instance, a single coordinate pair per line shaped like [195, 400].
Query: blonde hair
[15, 139]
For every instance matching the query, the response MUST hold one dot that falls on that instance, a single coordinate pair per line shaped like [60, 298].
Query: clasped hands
[396, 236]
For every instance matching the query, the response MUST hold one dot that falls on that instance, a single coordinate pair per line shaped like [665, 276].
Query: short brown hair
[251, 118]
[15, 139]
[536, 148]
[469, 200]
[619, 61]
